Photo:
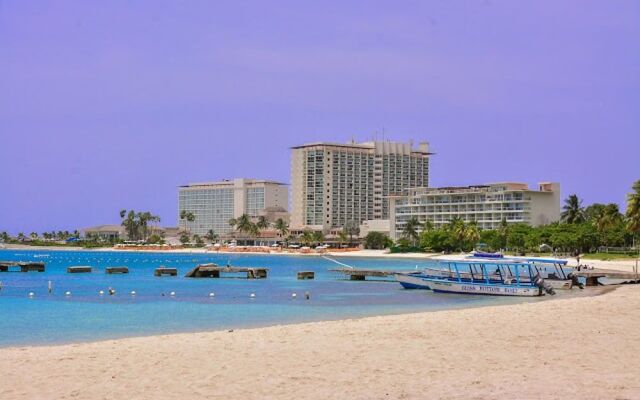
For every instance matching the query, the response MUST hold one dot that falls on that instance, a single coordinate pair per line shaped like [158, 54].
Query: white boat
[495, 277]
[411, 281]
[448, 286]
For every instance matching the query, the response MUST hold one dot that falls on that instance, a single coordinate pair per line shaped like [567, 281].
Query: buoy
[31, 294]
[101, 292]
[293, 295]
[67, 293]
[212, 294]
[133, 292]
[252, 295]
[307, 295]
[172, 294]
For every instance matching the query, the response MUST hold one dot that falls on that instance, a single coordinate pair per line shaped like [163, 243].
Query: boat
[552, 270]
[497, 278]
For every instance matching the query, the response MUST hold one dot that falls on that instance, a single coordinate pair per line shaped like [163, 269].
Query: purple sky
[110, 105]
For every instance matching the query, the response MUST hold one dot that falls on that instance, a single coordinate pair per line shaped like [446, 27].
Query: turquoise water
[85, 315]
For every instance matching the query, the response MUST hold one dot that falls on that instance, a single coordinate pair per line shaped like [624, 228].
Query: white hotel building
[214, 203]
[334, 183]
[485, 204]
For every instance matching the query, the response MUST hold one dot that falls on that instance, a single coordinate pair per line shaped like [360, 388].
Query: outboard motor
[575, 281]
[539, 282]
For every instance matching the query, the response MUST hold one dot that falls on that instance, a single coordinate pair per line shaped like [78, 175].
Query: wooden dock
[215, 271]
[78, 269]
[592, 275]
[355, 274]
[5, 266]
[165, 271]
[303, 275]
[117, 270]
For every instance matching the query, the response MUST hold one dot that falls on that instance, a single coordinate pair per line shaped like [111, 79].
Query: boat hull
[411, 281]
[445, 286]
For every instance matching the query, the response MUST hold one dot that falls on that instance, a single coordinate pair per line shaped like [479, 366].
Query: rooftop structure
[487, 205]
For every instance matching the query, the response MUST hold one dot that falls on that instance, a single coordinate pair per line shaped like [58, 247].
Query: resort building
[104, 232]
[487, 204]
[334, 183]
[213, 204]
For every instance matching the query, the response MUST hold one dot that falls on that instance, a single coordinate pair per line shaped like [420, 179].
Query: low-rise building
[487, 205]
[104, 232]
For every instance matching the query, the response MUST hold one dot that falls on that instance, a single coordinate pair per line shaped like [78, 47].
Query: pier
[592, 275]
[215, 271]
[304, 275]
[5, 266]
[361, 274]
[79, 269]
[117, 270]
[165, 271]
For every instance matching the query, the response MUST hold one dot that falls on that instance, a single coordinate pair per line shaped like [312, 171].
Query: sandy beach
[576, 348]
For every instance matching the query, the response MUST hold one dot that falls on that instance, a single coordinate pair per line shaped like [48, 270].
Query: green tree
[198, 240]
[471, 234]
[307, 237]
[244, 225]
[633, 209]
[377, 241]
[573, 212]
[282, 227]
[211, 236]
[318, 237]
[410, 230]
[342, 237]
[263, 223]
[184, 238]
[351, 228]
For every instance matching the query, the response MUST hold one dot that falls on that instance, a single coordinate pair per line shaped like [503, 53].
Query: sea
[75, 311]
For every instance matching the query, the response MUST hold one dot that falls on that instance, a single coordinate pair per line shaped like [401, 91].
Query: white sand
[577, 348]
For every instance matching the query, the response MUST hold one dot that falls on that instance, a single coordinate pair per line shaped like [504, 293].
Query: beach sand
[575, 348]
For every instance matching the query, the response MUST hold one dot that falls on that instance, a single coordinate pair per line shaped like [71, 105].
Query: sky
[112, 105]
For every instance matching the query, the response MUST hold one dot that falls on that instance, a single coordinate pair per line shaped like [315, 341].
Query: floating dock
[303, 275]
[5, 266]
[165, 271]
[117, 270]
[78, 269]
[215, 271]
[592, 275]
[361, 274]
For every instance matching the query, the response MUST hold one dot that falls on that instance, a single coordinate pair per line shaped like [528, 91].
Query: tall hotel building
[335, 183]
[214, 204]
[487, 205]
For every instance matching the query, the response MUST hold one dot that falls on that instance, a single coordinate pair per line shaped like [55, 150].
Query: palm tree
[458, 230]
[573, 212]
[21, 236]
[503, 232]
[33, 235]
[633, 209]
[307, 237]
[318, 237]
[262, 223]
[211, 236]
[245, 225]
[472, 233]
[607, 219]
[282, 227]
[233, 222]
[427, 226]
[342, 237]
[410, 230]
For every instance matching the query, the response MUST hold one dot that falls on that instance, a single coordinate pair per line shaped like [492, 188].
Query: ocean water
[86, 316]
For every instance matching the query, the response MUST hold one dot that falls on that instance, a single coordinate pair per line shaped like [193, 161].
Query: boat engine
[575, 281]
[539, 282]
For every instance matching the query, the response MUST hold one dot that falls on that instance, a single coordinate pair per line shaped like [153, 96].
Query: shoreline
[459, 353]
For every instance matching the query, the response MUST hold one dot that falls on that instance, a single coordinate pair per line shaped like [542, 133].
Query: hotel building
[214, 204]
[487, 204]
[334, 183]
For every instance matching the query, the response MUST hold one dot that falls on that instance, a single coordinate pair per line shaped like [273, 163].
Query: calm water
[85, 315]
